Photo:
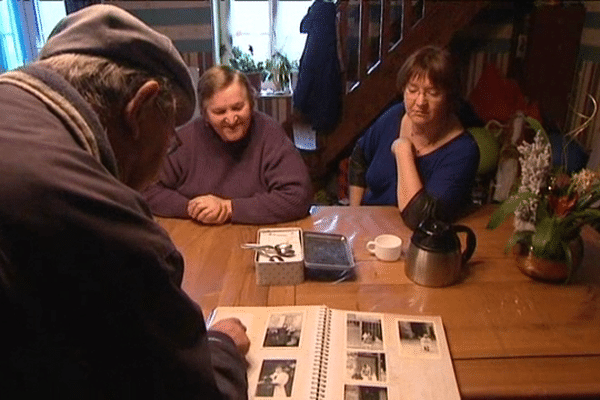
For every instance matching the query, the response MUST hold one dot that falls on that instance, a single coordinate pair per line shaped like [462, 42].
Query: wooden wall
[486, 40]
[491, 39]
[187, 23]
[587, 80]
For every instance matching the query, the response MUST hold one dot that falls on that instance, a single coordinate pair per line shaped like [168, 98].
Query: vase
[255, 79]
[548, 270]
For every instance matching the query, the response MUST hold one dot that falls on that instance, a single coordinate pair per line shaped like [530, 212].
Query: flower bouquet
[550, 207]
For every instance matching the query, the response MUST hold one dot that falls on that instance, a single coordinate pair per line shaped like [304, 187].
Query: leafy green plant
[550, 207]
[560, 214]
[244, 62]
[279, 70]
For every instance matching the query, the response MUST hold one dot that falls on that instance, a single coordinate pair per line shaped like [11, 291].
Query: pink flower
[562, 205]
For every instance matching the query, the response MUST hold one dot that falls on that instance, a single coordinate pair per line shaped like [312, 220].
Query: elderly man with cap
[90, 295]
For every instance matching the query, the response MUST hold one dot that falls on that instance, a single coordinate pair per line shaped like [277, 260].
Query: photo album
[315, 352]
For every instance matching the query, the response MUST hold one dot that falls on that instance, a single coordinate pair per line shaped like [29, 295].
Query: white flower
[535, 166]
[584, 180]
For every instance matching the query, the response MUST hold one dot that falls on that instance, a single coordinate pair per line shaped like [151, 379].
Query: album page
[313, 352]
[387, 356]
[285, 351]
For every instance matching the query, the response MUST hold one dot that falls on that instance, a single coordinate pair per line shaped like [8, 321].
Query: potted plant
[279, 70]
[245, 63]
[550, 208]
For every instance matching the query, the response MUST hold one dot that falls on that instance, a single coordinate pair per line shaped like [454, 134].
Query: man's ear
[141, 99]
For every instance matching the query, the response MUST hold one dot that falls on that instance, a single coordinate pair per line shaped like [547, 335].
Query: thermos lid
[435, 235]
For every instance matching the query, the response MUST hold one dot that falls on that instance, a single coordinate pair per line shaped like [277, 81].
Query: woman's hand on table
[233, 328]
[209, 209]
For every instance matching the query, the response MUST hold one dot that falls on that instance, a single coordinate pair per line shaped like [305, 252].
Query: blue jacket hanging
[319, 89]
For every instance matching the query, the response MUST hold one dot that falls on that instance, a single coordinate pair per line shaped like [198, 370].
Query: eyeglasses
[430, 94]
[166, 109]
[169, 115]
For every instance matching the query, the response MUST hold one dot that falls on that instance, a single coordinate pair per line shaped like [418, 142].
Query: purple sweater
[263, 174]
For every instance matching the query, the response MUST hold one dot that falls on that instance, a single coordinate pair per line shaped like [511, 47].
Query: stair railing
[376, 36]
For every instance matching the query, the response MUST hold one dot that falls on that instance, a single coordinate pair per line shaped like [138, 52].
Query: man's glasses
[174, 143]
[169, 115]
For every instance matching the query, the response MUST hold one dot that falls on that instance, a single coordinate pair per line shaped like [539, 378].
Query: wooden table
[509, 336]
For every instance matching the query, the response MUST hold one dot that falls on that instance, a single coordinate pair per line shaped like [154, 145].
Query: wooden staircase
[372, 86]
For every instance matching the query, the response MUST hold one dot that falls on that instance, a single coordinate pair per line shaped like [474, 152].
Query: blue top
[447, 173]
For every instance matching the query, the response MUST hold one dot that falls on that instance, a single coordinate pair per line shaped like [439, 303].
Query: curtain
[221, 11]
[19, 33]
[75, 5]
[7, 37]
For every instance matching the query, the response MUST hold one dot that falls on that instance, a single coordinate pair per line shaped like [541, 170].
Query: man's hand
[233, 328]
[209, 209]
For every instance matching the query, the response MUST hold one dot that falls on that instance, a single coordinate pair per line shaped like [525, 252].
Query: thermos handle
[471, 241]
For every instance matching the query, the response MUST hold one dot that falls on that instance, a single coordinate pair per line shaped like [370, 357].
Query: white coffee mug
[386, 247]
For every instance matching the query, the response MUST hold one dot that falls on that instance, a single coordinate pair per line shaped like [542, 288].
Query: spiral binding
[319, 374]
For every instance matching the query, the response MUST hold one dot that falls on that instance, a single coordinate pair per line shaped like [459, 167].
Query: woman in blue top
[417, 154]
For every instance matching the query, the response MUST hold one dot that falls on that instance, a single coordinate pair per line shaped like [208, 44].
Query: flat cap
[111, 32]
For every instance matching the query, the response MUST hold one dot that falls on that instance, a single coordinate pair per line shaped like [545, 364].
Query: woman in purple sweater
[234, 164]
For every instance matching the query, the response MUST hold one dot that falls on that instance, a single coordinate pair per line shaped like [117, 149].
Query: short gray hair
[220, 77]
[108, 86]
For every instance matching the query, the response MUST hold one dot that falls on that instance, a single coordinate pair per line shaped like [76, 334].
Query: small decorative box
[274, 270]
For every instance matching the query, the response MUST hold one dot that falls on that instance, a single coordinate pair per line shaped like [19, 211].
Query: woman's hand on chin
[209, 209]
[402, 145]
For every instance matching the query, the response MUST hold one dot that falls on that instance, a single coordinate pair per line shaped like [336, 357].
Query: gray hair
[220, 77]
[108, 86]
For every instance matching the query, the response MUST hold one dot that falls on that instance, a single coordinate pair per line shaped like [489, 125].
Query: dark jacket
[90, 295]
[319, 88]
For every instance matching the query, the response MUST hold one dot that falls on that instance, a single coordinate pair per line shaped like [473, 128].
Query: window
[50, 13]
[268, 26]
[24, 28]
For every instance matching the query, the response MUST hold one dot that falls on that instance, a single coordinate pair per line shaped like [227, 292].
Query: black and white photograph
[359, 392]
[365, 366]
[418, 338]
[276, 378]
[284, 330]
[364, 332]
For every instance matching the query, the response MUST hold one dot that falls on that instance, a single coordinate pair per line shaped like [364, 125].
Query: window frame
[222, 35]
[24, 32]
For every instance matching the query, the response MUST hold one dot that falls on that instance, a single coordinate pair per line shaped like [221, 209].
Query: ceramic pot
[546, 270]
[255, 79]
